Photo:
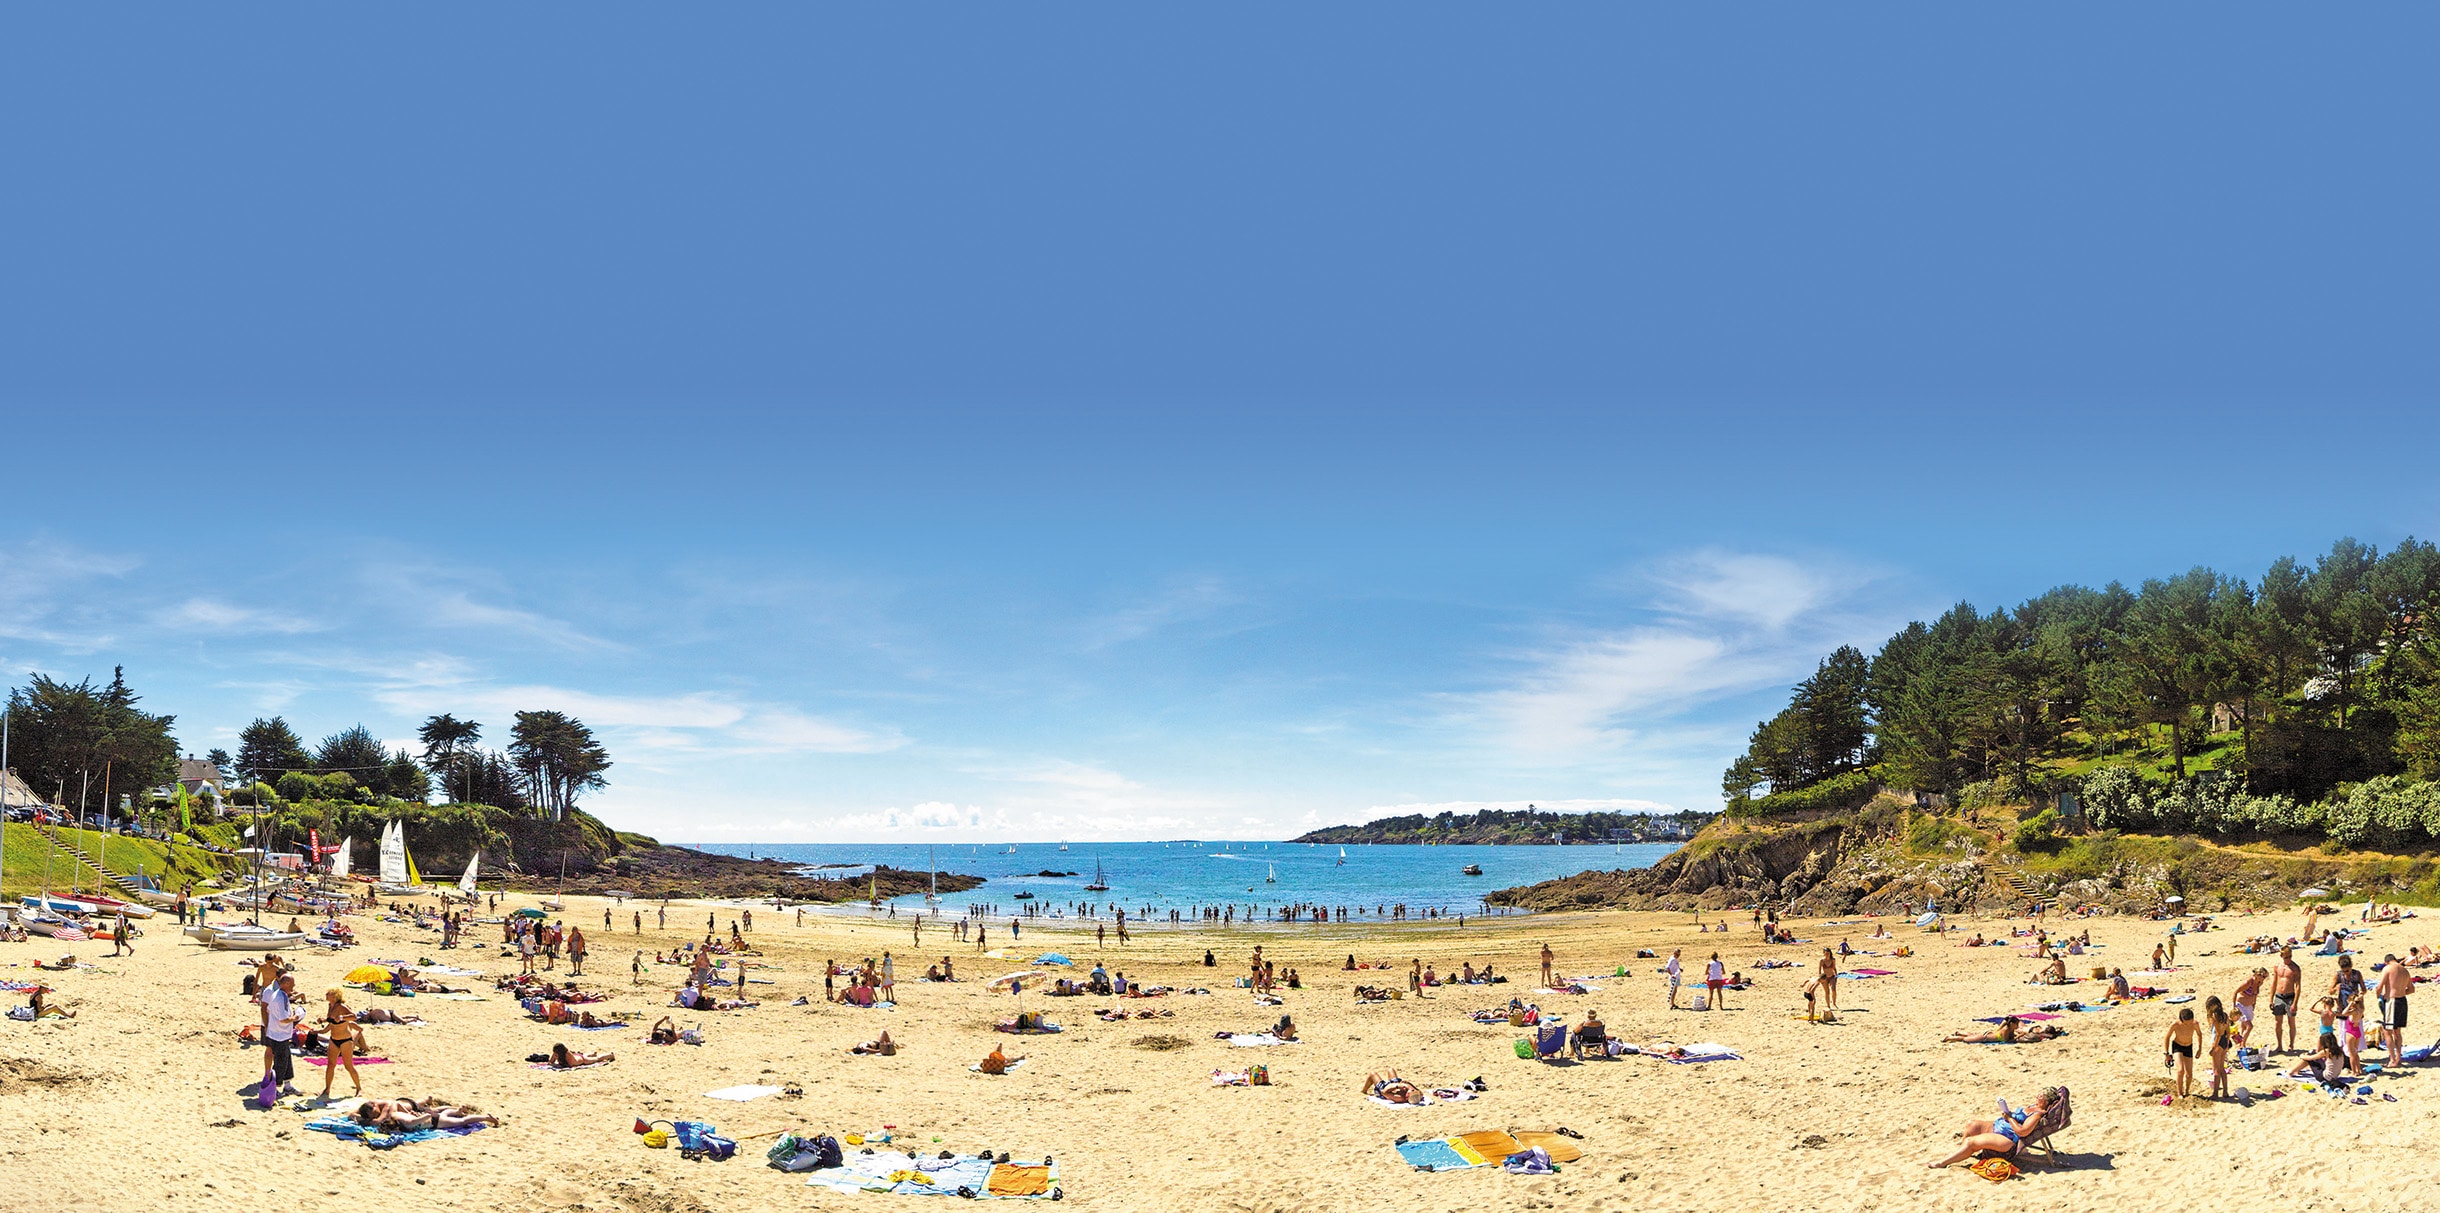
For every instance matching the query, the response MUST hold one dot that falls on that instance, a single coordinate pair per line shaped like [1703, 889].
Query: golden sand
[137, 1103]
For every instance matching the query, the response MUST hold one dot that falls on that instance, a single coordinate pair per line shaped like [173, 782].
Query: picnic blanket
[349, 1130]
[1481, 1148]
[1258, 1040]
[978, 1178]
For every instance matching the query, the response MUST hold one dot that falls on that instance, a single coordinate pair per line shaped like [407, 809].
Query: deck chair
[1550, 1040]
[2057, 1114]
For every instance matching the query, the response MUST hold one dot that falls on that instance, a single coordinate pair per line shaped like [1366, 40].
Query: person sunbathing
[664, 1032]
[44, 1008]
[998, 1061]
[1592, 1032]
[883, 1047]
[2055, 975]
[2002, 1137]
[1392, 1089]
[1285, 1029]
[565, 1058]
[587, 1019]
[2004, 1034]
[385, 1015]
[410, 1115]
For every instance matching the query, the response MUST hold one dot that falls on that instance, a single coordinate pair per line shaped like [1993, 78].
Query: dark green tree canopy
[64, 735]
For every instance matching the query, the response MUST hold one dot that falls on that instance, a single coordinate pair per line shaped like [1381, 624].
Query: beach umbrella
[2173, 897]
[2314, 893]
[367, 974]
[1054, 958]
[1927, 919]
[1010, 979]
[528, 912]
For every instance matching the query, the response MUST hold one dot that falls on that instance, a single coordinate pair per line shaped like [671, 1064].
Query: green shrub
[2037, 831]
[1837, 794]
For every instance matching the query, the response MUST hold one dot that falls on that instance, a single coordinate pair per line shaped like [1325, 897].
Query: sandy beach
[137, 1102]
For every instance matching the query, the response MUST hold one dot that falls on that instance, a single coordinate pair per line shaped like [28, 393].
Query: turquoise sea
[1186, 874]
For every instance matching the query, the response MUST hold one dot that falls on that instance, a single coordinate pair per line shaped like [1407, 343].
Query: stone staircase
[2010, 883]
[126, 883]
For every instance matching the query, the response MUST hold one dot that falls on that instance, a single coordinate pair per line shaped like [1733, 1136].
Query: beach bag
[654, 1138]
[1259, 1076]
[1702, 1002]
[1525, 1050]
[1997, 1170]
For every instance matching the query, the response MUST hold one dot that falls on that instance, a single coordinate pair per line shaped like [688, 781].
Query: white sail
[338, 860]
[466, 882]
[394, 854]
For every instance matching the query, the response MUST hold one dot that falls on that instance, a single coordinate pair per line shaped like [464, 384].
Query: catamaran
[1100, 883]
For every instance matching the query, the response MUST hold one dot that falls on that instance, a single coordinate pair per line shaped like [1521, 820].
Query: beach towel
[1258, 1040]
[349, 1130]
[978, 1066]
[1871, 973]
[742, 1092]
[1010, 1026]
[362, 1061]
[1017, 1181]
[1706, 1051]
[1434, 1154]
[597, 1027]
[2022, 1015]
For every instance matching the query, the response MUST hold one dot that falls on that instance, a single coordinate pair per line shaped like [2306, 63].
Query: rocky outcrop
[1728, 864]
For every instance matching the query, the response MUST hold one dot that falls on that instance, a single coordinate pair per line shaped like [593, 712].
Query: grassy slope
[27, 850]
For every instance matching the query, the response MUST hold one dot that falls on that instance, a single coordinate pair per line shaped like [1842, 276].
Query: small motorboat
[1024, 896]
[1472, 869]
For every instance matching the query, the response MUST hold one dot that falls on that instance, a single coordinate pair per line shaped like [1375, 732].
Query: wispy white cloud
[1183, 601]
[1715, 625]
[46, 599]
[442, 599]
[212, 615]
[693, 723]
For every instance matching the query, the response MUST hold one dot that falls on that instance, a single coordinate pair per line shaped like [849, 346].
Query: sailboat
[1273, 878]
[1063, 846]
[396, 874]
[932, 898]
[1101, 884]
[339, 859]
[1012, 849]
[1342, 857]
[466, 882]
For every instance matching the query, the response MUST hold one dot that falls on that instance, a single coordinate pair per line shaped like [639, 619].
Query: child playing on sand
[2178, 1048]
[2223, 1034]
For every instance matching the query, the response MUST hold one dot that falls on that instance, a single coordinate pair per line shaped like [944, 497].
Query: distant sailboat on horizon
[1342, 857]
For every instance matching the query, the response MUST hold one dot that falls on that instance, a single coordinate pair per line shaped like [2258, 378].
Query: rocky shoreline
[666, 871]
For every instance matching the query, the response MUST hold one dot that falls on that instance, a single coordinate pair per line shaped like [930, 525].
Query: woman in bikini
[565, 1058]
[1392, 1089]
[2223, 1035]
[345, 1037]
[2179, 1045]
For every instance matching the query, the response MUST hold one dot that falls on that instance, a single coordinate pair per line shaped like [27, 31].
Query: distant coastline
[1521, 827]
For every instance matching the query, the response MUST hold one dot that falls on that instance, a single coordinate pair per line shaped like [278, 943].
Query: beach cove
[1810, 1115]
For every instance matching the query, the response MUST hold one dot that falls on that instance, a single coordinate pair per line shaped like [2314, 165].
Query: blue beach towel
[1435, 1154]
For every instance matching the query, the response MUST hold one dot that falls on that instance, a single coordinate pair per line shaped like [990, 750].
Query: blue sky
[1100, 423]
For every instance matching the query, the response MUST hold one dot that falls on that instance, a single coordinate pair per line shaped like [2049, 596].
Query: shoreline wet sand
[1822, 1116]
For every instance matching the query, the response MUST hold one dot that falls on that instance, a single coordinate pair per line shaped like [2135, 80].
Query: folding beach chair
[2057, 1114]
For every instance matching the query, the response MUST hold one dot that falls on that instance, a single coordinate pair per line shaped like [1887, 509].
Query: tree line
[77, 742]
[2296, 687]
[552, 758]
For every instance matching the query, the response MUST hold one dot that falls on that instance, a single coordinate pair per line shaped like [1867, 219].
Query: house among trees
[21, 795]
[196, 774]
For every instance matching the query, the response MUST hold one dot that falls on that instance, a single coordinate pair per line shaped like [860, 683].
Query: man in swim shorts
[2244, 1002]
[2287, 977]
[2396, 984]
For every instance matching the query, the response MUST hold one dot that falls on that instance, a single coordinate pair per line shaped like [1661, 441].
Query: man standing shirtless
[2396, 984]
[2287, 978]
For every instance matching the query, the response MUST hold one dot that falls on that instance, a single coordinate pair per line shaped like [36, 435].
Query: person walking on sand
[1826, 976]
[576, 951]
[1547, 958]
[118, 935]
[2287, 982]
[660, 917]
[2396, 984]
[1676, 975]
[639, 922]
[636, 968]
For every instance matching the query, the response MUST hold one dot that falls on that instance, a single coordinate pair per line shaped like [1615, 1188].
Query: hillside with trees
[2302, 704]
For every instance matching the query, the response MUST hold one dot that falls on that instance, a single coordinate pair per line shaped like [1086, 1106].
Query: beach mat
[1559, 1147]
[1491, 1144]
[1017, 1181]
